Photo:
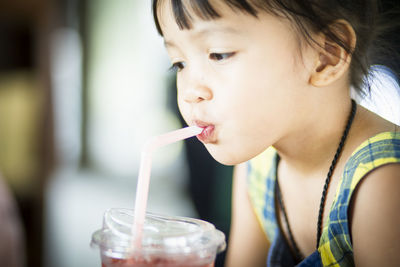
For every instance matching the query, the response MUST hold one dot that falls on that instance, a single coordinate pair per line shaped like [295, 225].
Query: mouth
[208, 133]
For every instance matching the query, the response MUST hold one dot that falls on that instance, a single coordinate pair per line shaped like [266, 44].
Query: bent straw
[142, 188]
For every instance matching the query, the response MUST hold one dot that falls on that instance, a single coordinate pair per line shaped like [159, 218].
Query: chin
[223, 157]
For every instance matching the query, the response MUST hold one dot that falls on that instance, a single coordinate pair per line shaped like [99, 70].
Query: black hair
[307, 16]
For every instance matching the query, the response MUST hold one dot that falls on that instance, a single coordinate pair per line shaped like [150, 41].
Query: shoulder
[373, 153]
[375, 218]
[250, 246]
[358, 222]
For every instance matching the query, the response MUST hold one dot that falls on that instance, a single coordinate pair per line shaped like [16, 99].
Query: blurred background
[82, 84]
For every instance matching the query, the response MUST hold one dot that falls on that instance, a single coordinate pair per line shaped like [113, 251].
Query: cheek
[182, 105]
[179, 91]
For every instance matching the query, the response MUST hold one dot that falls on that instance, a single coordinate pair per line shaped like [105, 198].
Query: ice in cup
[167, 241]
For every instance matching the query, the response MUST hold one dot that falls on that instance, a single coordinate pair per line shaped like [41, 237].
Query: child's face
[242, 76]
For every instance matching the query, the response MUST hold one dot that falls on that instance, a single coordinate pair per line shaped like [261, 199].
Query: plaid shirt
[335, 247]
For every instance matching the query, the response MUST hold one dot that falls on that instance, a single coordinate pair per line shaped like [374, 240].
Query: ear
[332, 60]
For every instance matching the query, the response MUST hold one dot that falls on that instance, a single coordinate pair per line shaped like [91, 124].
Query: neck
[311, 146]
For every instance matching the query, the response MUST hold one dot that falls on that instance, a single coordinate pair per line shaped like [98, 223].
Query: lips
[208, 133]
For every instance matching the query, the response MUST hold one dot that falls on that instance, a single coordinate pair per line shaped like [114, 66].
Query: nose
[197, 92]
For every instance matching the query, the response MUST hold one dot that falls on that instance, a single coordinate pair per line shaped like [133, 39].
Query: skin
[250, 80]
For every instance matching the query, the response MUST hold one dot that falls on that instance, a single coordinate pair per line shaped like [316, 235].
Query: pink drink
[156, 262]
[167, 241]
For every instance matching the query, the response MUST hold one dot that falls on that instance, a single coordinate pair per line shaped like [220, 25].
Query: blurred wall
[127, 70]
[107, 56]
[26, 142]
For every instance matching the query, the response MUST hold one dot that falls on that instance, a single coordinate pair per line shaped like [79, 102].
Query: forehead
[238, 27]
[228, 24]
[187, 12]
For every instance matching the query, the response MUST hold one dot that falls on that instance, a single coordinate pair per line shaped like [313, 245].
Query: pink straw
[142, 189]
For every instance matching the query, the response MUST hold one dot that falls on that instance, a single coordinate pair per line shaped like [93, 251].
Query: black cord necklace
[298, 255]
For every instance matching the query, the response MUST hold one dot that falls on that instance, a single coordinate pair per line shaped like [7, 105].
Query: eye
[177, 66]
[220, 56]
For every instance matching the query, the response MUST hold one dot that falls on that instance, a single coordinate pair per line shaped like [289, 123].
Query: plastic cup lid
[161, 234]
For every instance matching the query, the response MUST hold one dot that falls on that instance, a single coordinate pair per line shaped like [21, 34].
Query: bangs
[184, 11]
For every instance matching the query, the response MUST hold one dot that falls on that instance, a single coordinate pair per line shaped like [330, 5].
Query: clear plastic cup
[168, 241]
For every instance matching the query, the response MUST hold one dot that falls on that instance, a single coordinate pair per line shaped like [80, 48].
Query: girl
[316, 176]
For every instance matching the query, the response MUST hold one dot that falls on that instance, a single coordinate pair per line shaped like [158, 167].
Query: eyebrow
[207, 31]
